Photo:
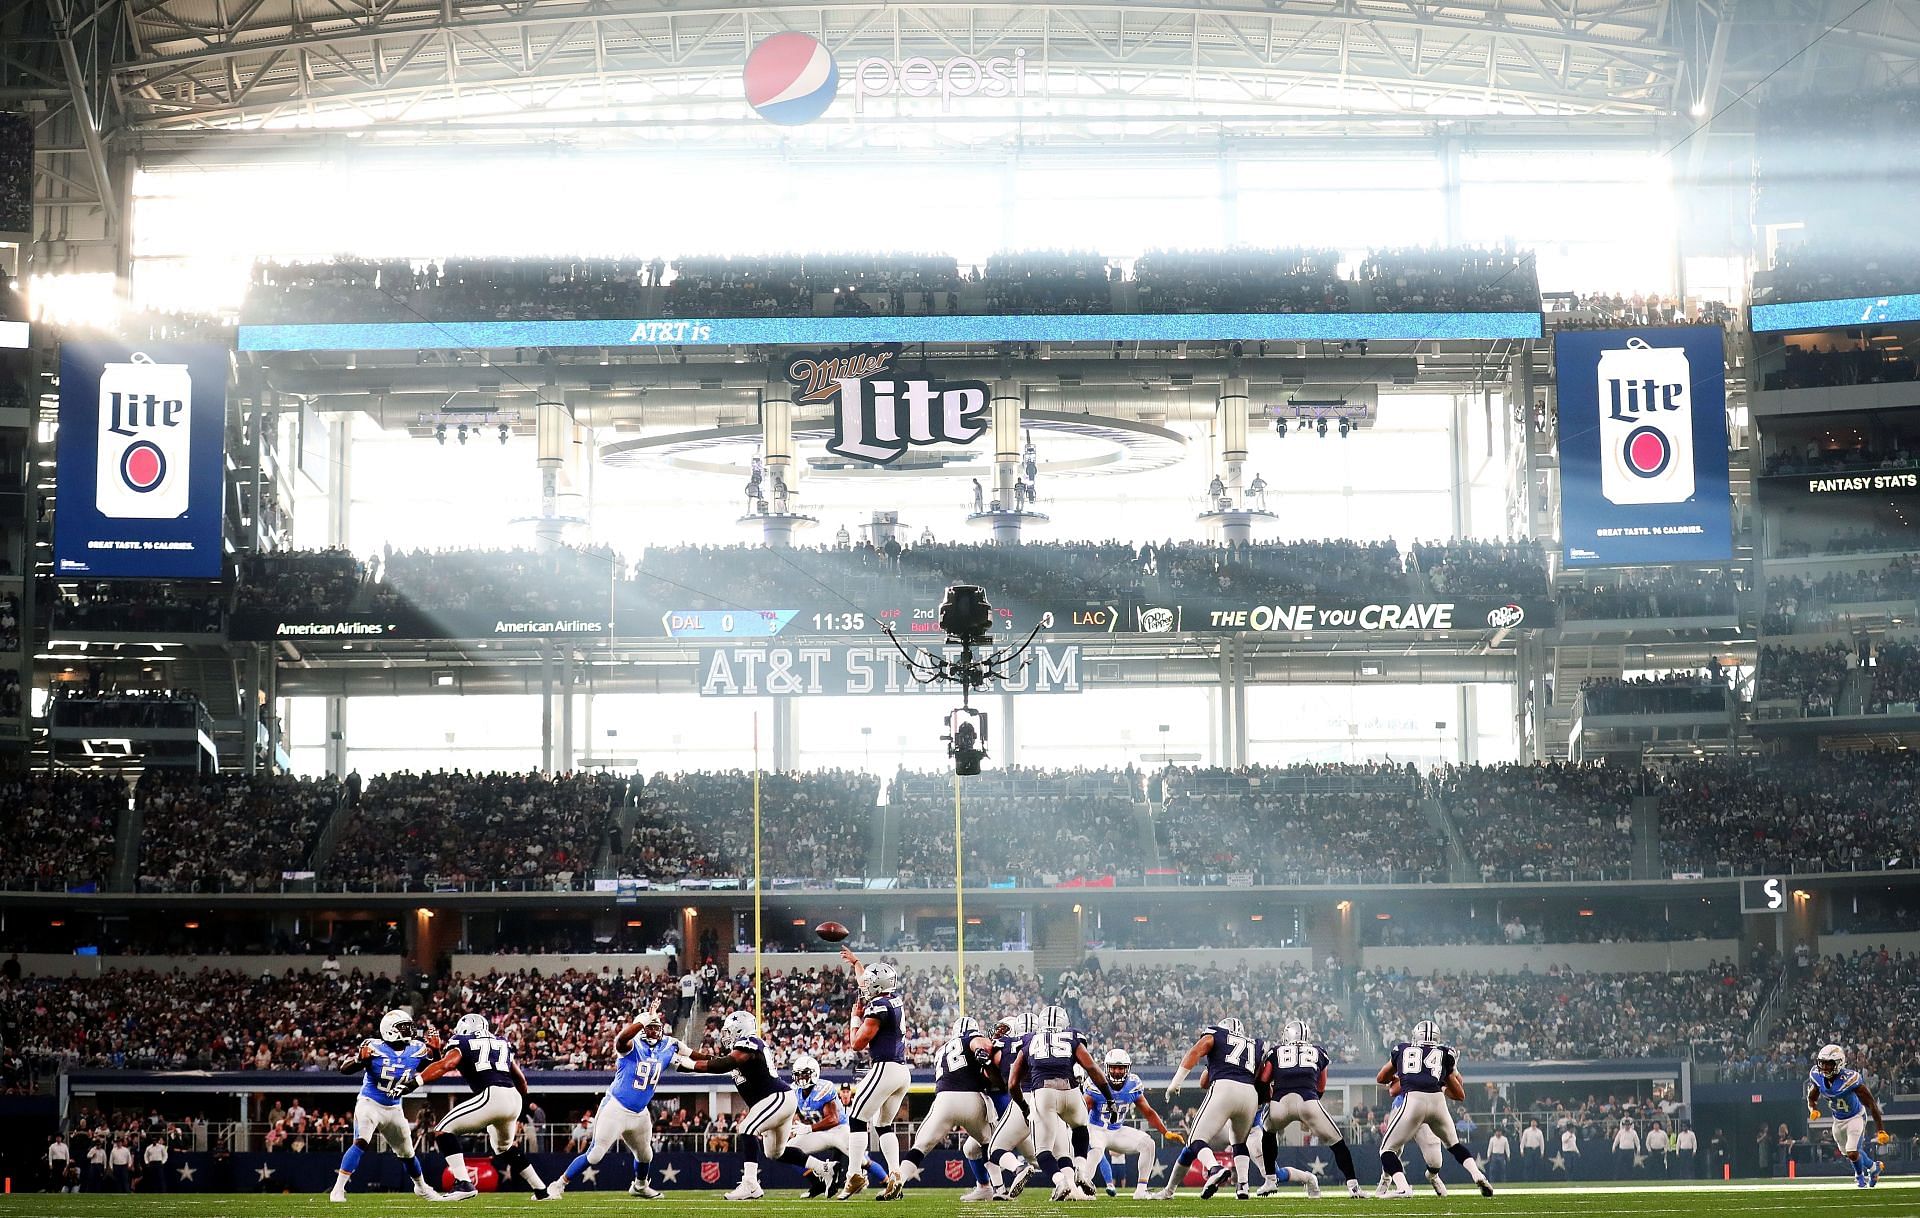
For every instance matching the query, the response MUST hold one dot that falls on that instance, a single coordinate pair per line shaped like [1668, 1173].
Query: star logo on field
[262, 1172]
[670, 1174]
[1319, 1168]
[1559, 1162]
[591, 1175]
[186, 1172]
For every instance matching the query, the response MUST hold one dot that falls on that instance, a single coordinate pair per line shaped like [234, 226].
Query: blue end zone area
[845, 331]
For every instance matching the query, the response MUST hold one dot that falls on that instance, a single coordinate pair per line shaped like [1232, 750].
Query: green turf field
[1822, 1199]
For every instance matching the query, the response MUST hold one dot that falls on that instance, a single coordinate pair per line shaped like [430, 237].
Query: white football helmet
[806, 1071]
[880, 978]
[652, 1027]
[1831, 1059]
[1426, 1032]
[966, 1028]
[1233, 1026]
[396, 1027]
[1119, 1061]
[1297, 1032]
[472, 1024]
[738, 1025]
[1053, 1019]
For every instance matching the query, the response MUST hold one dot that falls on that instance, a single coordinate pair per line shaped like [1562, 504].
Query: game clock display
[907, 622]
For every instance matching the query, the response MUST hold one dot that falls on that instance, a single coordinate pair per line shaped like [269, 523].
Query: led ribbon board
[841, 331]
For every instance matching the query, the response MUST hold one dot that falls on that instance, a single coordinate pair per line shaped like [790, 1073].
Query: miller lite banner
[880, 412]
[1643, 446]
[142, 437]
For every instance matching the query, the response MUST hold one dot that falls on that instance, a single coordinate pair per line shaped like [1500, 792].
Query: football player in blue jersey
[964, 1079]
[1849, 1102]
[878, 1030]
[499, 1088]
[1043, 1074]
[1427, 1070]
[819, 1144]
[1110, 1131]
[642, 1053]
[391, 1068]
[1227, 1111]
[1294, 1072]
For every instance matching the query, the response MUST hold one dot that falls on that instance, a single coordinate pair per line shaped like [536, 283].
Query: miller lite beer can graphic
[1646, 424]
[144, 440]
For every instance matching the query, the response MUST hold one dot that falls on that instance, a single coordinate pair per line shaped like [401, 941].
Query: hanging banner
[1643, 446]
[880, 412]
[142, 437]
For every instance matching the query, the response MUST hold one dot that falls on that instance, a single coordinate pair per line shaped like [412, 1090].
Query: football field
[1817, 1199]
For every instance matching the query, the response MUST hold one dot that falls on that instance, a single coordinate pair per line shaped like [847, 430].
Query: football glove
[1813, 1114]
[682, 1062]
[403, 1085]
[1176, 1137]
[1883, 1137]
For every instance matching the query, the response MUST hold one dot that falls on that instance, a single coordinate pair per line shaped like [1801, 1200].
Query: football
[832, 932]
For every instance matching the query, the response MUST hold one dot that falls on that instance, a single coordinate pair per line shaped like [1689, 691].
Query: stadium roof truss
[400, 63]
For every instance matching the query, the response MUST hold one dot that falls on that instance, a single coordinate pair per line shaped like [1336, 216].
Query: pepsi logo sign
[1506, 616]
[790, 79]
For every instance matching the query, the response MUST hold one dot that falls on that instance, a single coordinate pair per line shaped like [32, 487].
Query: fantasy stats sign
[879, 414]
[1643, 446]
[141, 438]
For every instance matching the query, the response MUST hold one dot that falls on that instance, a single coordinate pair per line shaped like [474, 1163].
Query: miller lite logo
[879, 414]
[144, 440]
[1646, 424]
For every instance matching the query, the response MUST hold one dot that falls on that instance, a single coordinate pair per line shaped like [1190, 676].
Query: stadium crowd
[1827, 367]
[1675, 693]
[1292, 836]
[59, 829]
[1521, 1016]
[1868, 999]
[1836, 813]
[419, 832]
[1405, 280]
[701, 825]
[317, 584]
[1537, 821]
[1036, 826]
[1655, 592]
[1796, 604]
[227, 833]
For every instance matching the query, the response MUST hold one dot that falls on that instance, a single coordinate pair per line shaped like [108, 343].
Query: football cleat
[1268, 1187]
[1873, 1178]
[1353, 1190]
[746, 1190]
[855, 1181]
[978, 1192]
[1017, 1182]
[462, 1190]
[1312, 1185]
[1084, 1187]
[1215, 1179]
[891, 1190]
[1241, 1193]
[1439, 1185]
[645, 1191]
[339, 1193]
[1061, 1191]
[1112, 1191]
[1486, 1186]
[1142, 1193]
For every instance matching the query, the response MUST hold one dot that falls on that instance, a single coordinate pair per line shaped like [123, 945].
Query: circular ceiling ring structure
[1112, 446]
